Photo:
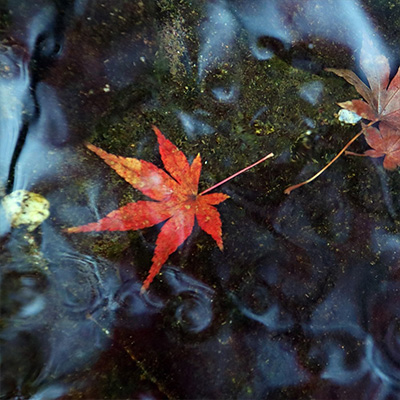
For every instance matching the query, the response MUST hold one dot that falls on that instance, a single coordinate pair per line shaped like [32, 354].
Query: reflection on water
[14, 98]
[304, 300]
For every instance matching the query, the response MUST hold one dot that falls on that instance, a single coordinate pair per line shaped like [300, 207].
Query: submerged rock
[25, 208]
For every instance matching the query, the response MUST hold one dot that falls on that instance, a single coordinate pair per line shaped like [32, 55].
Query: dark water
[304, 301]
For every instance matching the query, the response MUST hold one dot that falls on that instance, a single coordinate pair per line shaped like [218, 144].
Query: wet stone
[23, 208]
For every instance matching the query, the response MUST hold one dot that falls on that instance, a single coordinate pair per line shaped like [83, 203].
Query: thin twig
[351, 153]
[293, 187]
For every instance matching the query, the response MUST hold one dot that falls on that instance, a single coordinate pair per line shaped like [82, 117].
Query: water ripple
[190, 309]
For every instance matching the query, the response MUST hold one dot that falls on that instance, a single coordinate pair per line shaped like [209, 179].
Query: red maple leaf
[385, 142]
[176, 200]
[381, 105]
[382, 99]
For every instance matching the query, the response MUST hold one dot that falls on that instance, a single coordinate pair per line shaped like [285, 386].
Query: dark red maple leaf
[381, 105]
[385, 142]
[176, 200]
[382, 99]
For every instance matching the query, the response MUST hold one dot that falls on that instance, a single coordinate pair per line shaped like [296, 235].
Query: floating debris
[348, 117]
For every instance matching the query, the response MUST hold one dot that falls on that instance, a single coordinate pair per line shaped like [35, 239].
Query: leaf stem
[293, 187]
[237, 173]
[351, 153]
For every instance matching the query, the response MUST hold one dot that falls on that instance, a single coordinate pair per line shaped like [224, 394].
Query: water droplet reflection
[194, 127]
[312, 92]
[264, 48]
[226, 95]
